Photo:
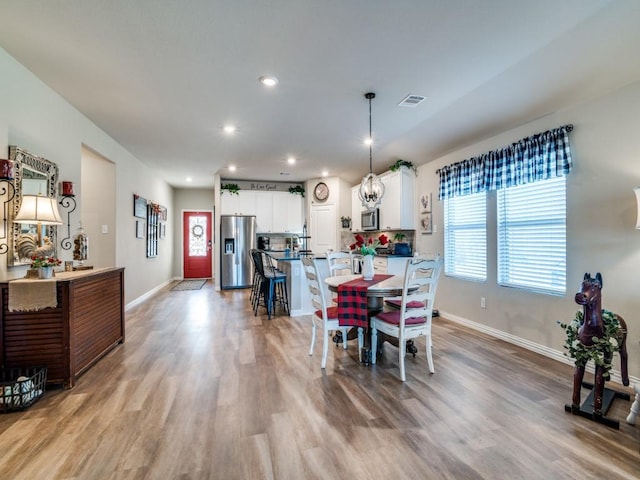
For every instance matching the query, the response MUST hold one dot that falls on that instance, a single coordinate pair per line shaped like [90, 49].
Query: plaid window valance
[531, 159]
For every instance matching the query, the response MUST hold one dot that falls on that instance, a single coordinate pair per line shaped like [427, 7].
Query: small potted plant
[44, 265]
[346, 222]
[399, 246]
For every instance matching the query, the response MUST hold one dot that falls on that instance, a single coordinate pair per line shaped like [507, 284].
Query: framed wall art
[426, 226]
[139, 228]
[425, 203]
[139, 206]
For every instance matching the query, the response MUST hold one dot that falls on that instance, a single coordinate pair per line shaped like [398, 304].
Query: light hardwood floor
[202, 389]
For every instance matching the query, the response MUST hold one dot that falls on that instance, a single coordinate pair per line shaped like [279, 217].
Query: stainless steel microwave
[370, 220]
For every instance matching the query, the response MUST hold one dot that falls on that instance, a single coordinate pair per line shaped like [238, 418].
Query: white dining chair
[324, 317]
[340, 263]
[409, 323]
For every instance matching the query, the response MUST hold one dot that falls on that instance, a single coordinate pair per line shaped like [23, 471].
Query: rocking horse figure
[594, 341]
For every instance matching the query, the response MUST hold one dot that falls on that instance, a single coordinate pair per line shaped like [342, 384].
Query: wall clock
[321, 192]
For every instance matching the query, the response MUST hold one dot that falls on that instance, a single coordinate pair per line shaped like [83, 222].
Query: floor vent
[411, 101]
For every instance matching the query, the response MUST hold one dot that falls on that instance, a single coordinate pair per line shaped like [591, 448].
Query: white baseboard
[149, 294]
[534, 347]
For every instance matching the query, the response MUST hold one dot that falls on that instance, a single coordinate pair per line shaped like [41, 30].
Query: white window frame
[532, 236]
[465, 237]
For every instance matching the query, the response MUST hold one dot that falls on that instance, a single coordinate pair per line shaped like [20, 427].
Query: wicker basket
[21, 387]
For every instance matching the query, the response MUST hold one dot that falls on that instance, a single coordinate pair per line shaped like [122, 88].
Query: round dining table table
[389, 287]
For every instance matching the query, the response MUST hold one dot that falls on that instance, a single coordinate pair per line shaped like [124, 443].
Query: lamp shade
[38, 209]
[637, 192]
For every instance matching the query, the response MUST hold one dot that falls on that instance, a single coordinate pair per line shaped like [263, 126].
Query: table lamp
[38, 210]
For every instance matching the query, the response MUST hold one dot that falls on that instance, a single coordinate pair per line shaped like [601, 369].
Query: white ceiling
[162, 77]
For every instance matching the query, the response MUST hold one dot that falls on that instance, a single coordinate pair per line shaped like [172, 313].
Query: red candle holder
[67, 189]
[6, 169]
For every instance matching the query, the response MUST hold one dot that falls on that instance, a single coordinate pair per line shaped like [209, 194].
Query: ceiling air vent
[411, 101]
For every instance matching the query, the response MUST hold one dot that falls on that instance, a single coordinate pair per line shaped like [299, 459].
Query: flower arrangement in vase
[368, 247]
[44, 265]
[39, 262]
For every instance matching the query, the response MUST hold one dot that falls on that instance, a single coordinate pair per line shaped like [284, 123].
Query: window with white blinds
[465, 236]
[532, 236]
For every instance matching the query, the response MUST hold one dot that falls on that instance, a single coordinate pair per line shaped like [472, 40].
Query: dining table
[376, 290]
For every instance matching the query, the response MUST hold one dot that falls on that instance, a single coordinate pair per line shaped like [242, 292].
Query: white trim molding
[528, 345]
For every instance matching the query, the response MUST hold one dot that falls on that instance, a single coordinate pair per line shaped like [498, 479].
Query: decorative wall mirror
[33, 175]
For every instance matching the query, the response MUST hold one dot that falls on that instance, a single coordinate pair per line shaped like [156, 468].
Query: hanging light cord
[370, 96]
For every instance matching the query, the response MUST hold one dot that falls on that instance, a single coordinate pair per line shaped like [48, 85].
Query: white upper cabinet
[244, 203]
[397, 209]
[278, 212]
[264, 212]
[356, 210]
[287, 213]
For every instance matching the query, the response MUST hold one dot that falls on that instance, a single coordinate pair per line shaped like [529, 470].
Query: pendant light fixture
[371, 187]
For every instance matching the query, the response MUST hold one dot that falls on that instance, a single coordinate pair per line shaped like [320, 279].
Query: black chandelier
[371, 187]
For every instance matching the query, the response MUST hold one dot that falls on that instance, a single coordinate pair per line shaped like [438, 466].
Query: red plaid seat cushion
[393, 318]
[398, 303]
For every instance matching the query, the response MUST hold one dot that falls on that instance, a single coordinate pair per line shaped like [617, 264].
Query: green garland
[297, 190]
[601, 349]
[403, 163]
[232, 188]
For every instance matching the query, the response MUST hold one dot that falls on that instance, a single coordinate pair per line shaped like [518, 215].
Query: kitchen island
[297, 286]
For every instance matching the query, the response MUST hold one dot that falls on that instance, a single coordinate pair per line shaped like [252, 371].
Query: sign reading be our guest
[263, 186]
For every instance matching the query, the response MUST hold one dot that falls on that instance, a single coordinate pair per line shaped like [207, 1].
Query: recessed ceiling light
[325, 173]
[268, 80]
[229, 129]
[232, 168]
[291, 160]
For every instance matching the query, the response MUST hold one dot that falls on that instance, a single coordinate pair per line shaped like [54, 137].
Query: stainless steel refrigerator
[237, 238]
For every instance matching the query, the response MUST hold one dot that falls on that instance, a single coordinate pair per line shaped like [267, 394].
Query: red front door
[196, 244]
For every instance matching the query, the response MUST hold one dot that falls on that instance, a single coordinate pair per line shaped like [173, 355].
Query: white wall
[37, 119]
[601, 215]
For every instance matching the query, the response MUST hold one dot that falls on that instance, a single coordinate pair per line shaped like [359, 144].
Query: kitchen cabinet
[244, 203]
[397, 207]
[276, 212]
[356, 210]
[389, 265]
[379, 265]
[287, 213]
[264, 212]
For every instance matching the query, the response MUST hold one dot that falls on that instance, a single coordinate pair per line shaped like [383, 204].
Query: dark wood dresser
[87, 322]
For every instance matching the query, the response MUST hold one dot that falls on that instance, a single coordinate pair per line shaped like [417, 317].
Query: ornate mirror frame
[21, 159]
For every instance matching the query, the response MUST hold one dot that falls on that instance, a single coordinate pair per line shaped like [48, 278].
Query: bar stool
[255, 284]
[278, 284]
[271, 286]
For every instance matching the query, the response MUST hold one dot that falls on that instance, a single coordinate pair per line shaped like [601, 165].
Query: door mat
[189, 285]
